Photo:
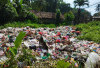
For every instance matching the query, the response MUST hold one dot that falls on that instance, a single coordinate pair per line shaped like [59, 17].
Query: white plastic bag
[92, 60]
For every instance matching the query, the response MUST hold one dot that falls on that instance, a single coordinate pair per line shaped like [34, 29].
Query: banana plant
[17, 43]
[21, 2]
[11, 61]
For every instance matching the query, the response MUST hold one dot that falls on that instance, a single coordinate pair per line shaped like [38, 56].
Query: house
[46, 16]
[96, 18]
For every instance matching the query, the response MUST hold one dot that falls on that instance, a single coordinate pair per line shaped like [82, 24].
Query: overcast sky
[90, 9]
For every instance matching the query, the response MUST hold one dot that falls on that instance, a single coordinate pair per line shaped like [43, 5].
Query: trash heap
[55, 43]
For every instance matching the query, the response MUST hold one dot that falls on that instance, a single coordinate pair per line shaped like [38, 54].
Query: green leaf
[21, 2]
[63, 64]
[17, 43]
[12, 52]
[19, 39]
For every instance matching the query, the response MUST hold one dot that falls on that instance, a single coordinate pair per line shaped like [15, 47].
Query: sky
[90, 9]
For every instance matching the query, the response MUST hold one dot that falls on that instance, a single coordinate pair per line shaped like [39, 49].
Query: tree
[23, 11]
[19, 6]
[39, 5]
[97, 14]
[58, 17]
[57, 4]
[51, 5]
[46, 5]
[84, 17]
[69, 17]
[3, 2]
[98, 8]
[80, 3]
[7, 12]
[27, 2]
[64, 7]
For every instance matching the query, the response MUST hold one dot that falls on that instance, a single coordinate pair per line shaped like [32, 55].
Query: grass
[90, 31]
[27, 23]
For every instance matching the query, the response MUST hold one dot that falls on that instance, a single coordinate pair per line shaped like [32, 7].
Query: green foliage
[39, 5]
[81, 2]
[63, 64]
[15, 10]
[18, 7]
[26, 57]
[27, 23]
[12, 62]
[21, 2]
[7, 13]
[17, 43]
[97, 14]
[27, 2]
[58, 13]
[3, 2]
[32, 17]
[85, 16]
[23, 12]
[64, 7]
[46, 5]
[90, 31]
[19, 38]
[98, 7]
[69, 17]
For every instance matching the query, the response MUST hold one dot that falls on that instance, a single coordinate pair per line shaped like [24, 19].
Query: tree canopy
[98, 8]
[19, 10]
[80, 3]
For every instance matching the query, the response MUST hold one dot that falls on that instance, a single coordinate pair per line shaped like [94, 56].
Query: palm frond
[86, 4]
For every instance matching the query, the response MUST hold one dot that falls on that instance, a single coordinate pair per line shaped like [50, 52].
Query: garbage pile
[57, 43]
